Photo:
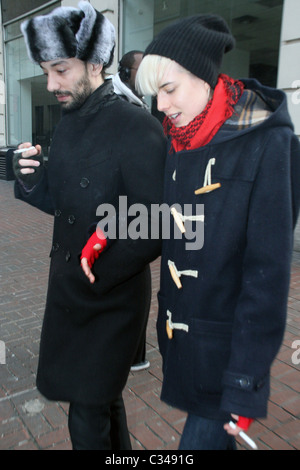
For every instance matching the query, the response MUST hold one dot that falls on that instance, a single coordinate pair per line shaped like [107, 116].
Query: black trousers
[99, 427]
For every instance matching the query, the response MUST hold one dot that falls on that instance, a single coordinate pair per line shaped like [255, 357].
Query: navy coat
[106, 149]
[229, 316]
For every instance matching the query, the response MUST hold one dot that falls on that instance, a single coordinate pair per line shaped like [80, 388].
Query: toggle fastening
[170, 326]
[180, 219]
[207, 185]
[207, 189]
[177, 274]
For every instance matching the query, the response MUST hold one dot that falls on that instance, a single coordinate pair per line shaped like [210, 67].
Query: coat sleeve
[38, 196]
[141, 162]
[261, 309]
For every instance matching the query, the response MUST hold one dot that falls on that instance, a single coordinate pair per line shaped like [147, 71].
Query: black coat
[230, 317]
[90, 334]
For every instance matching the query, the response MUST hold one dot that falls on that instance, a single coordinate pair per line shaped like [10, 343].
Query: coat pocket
[211, 343]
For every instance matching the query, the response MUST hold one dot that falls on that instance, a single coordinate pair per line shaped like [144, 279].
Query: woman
[222, 308]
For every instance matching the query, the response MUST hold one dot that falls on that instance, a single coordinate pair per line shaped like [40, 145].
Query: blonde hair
[150, 74]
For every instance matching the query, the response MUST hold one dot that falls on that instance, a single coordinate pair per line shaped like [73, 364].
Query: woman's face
[182, 96]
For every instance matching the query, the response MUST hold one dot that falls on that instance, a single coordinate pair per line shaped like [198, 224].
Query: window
[32, 112]
[256, 25]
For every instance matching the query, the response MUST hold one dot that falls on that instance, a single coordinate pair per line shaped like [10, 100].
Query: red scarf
[203, 128]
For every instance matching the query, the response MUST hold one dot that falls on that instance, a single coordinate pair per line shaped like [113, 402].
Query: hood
[259, 106]
[122, 89]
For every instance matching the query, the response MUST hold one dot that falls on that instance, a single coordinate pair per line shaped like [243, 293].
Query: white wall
[289, 60]
[139, 28]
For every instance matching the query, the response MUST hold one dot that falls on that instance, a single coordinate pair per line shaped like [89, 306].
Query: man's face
[69, 80]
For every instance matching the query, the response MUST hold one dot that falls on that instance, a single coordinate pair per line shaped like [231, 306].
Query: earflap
[95, 37]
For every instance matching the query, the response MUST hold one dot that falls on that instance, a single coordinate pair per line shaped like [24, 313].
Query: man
[104, 149]
[124, 80]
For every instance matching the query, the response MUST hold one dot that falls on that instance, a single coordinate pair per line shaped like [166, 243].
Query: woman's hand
[90, 253]
[242, 424]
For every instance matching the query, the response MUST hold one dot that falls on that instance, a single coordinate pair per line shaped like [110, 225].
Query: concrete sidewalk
[29, 422]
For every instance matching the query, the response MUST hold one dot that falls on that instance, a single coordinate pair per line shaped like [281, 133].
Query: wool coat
[106, 149]
[228, 317]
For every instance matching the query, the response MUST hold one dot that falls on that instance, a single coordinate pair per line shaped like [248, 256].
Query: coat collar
[101, 97]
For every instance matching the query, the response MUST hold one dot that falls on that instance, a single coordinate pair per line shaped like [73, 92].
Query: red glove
[89, 252]
[244, 423]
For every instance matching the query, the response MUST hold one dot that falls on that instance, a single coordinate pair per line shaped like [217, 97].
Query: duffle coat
[228, 316]
[106, 149]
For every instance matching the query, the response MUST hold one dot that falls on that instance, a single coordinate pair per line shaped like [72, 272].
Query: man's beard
[82, 90]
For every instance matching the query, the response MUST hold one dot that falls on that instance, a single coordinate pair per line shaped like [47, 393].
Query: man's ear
[95, 69]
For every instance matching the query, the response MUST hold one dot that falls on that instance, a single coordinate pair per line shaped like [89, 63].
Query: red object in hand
[244, 423]
[89, 251]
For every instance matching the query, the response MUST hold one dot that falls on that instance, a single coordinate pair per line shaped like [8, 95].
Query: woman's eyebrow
[166, 84]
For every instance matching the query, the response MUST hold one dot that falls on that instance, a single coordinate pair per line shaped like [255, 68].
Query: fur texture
[69, 32]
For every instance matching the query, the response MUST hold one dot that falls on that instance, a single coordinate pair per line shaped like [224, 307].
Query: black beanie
[197, 43]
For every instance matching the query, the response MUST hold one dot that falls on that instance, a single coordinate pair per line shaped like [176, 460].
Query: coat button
[71, 219]
[55, 247]
[244, 383]
[84, 182]
[68, 256]
[57, 213]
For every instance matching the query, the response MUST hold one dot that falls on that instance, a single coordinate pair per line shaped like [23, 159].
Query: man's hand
[27, 165]
[95, 245]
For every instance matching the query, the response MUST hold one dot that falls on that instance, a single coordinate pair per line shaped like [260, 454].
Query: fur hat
[197, 43]
[69, 32]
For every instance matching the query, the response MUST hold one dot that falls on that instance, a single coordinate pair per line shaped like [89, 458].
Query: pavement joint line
[18, 394]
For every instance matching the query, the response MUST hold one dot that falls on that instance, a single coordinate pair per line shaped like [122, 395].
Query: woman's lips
[174, 118]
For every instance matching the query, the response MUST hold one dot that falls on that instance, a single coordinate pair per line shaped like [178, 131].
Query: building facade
[268, 48]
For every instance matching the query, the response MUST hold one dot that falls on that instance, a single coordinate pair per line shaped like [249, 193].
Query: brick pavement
[30, 422]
